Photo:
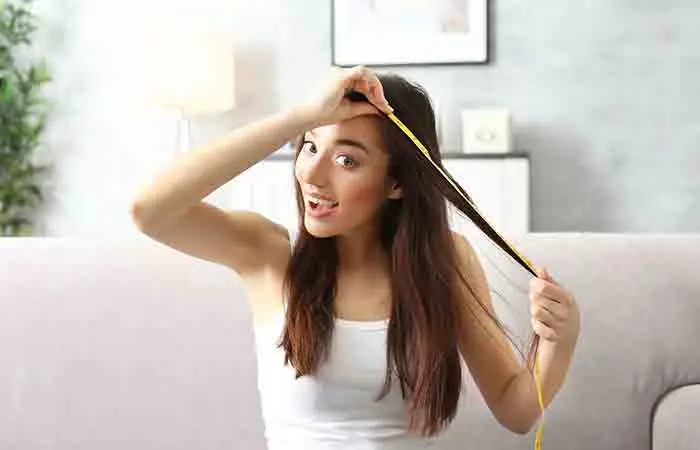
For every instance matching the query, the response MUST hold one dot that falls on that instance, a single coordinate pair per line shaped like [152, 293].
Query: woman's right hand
[330, 105]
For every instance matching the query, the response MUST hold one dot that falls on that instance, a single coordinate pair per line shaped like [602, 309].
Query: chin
[319, 230]
[325, 228]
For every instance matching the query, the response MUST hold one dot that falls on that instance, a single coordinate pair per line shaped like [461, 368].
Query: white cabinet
[499, 187]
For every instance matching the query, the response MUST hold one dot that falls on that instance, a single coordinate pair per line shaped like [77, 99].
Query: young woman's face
[347, 163]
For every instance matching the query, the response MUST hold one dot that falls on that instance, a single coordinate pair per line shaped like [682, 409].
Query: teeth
[324, 202]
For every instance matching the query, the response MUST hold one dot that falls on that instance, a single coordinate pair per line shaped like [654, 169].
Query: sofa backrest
[116, 344]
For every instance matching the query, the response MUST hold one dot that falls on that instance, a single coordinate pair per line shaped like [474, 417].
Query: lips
[321, 205]
[316, 197]
[321, 211]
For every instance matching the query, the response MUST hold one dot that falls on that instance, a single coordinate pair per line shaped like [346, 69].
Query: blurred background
[599, 95]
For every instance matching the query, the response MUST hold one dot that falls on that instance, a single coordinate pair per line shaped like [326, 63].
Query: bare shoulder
[250, 244]
[265, 288]
[464, 248]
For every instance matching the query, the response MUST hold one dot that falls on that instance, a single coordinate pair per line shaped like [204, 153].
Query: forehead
[363, 128]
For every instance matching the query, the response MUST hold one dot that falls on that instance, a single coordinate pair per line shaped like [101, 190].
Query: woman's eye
[350, 159]
[312, 145]
[303, 144]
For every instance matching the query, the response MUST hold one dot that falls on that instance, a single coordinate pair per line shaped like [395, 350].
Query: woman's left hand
[553, 310]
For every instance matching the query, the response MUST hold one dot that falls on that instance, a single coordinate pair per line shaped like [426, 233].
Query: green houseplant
[22, 119]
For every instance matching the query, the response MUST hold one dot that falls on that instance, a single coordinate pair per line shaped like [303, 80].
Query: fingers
[363, 108]
[377, 91]
[550, 314]
[544, 331]
[547, 318]
[549, 289]
[364, 80]
[553, 309]
[552, 297]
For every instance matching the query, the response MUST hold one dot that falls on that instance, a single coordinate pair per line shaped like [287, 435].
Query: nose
[313, 169]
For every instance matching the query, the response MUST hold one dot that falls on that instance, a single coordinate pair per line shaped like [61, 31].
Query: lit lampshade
[193, 73]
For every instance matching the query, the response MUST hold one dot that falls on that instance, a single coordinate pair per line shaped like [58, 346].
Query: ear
[395, 192]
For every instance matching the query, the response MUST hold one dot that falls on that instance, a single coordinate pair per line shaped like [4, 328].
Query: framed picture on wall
[400, 32]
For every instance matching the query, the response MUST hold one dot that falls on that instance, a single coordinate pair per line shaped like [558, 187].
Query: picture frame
[416, 32]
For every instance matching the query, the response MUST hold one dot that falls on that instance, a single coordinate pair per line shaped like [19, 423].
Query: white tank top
[335, 408]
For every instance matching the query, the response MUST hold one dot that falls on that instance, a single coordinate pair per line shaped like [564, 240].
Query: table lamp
[193, 74]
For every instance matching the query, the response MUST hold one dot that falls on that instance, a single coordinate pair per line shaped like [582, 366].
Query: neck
[361, 252]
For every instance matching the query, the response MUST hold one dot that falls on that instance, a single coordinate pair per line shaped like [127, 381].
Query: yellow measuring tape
[538, 435]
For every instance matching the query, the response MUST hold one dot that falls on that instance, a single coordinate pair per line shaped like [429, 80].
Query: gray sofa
[128, 344]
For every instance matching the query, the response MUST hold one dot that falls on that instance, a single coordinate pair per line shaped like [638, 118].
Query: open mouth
[322, 205]
[320, 208]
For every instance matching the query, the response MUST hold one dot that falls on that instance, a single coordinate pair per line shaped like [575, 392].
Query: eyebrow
[346, 141]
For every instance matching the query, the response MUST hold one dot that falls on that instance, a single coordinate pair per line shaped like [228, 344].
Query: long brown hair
[423, 333]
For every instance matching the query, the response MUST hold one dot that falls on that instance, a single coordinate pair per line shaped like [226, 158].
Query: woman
[361, 320]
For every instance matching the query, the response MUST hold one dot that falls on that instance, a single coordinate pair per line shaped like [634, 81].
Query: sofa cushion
[675, 422]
